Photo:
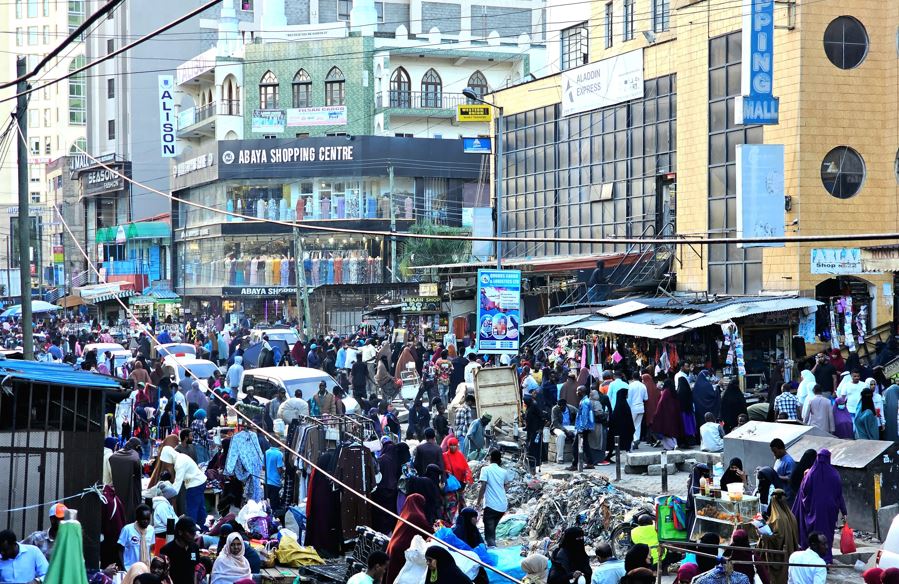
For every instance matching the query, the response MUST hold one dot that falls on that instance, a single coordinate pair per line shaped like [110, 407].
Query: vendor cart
[722, 516]
[411, 382]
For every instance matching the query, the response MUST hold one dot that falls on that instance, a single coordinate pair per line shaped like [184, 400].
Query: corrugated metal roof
[743, 309]
[651, 317]
[56, 374]
[622, 309]
[620, 327]
[557, 320]
[843, 453]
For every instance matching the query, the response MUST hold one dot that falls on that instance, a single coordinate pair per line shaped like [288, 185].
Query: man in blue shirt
[584, 424]
[274, 471]
[783, 462]
[20, 562]
[137, 539]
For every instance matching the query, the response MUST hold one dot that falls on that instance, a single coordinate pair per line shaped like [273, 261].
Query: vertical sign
[499, 311]
[758, 104]
[760, 192]
[167, 115]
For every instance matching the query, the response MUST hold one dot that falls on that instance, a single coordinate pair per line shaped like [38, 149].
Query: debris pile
[524, 488]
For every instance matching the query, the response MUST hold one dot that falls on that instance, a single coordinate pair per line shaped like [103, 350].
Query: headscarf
[836, 359]
[446, 572]
[818, 501]
[784, 535]
[405, 357]
[730, 476]
[668, 420]
[873, 576]
[766, 479]
[413, 512]
[687, 572]
[136, 569]
[705, 398]
[733, 403]
[571, 556]
[583, 377]
[804, 464]
[890, 576]
[229, 566]
[535, 569]
[699, 470]
[622, 422]
[636, 557]
[466, 530]
[842, 420]
[740, 538]
[455, 463]
[704, 562]
[110, 442]
[684, 395]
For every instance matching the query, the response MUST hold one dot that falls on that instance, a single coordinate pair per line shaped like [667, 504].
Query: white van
[266, 382]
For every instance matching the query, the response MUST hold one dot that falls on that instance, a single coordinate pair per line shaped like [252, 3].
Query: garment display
[356, 468]
[245, 462]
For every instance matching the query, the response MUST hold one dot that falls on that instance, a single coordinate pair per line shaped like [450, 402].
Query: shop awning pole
[304, 318]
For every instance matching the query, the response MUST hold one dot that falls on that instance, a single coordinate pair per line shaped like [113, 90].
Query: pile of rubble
[524, 488]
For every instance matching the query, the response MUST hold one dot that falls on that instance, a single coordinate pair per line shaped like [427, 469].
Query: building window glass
[627, 24]
[46, 7]
[843, 172]
[19, 8]
[431, 89]
[35, 197]
[48, 146]
[608, 18]
[110, 129]
[110, 46]
[400, 89]
[32, 8]
[302, 89]
[268, 91]
[575, 46]
[732, 270]
[379, 8]
[246, 4]
[20, 37]
[32, 35]
[76, 14]
[335, 87]
[77, 94]
[46, 35]
[343, 9]
[478, 83]
[661, 15]
[110, 88]
[846, 42]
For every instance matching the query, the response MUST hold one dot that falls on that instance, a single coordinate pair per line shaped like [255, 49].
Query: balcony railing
[196, 115]
[421, 99]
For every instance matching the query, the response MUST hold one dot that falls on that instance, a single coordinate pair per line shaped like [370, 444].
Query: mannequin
[260, 208]
[301, 208]
[284, 273]
[408, 204]
[239, 209]
[254, 266]
[338, 269]
[273, 209]
[282, 208]
[326, 208]
[229, 206]
[384, 207]
[340, 205]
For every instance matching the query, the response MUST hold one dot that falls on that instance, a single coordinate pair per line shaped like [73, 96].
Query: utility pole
[304, 319]
[24, 215]
[393, 277]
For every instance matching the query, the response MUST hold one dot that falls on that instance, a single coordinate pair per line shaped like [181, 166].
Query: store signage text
[757, 104]
[473, 113]
[266, 292]
[287, 155]
[837, 261]
[334, 115]
[198, 163]
[167, 115]
[102, 180]
[602, 83]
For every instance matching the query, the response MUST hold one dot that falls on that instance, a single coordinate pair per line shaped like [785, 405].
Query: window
[20, 37]
[77, 93]
[608, 20]
[627, 24]
[431, 90]
[110, 46]
[110, 88]
[35, 197]
[661, 16]
[402, 135]
[47, 121]
[19, 8]
[46, 35]
[76, 14]
[574, 46]
[35, 147]
[46, 7]
[846, 42]
[32, 8]
[268, 91]
[334, 87]
[269, 136]
[478, 83]
[48, 146]
[302, 135]
[400, 89]
[110, 129]
[302, 89]
[843, 172]
[32, 35]
[343, 9]
[246, 4]
[33, 119]
[379, 8]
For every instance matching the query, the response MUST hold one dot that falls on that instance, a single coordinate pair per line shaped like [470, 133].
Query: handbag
[452, 484]
[671, 519]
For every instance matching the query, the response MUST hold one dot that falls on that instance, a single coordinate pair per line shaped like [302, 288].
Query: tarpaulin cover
[55, 373]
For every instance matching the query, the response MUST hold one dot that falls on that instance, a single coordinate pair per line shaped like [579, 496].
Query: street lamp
[500, 167]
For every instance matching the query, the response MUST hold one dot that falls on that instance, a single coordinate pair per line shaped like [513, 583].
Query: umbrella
[70, 301]
[36, 306]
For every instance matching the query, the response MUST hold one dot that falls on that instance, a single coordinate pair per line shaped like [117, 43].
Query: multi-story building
[654, 152]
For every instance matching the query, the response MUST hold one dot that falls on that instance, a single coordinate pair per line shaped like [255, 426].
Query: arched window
[268, 91]
[302, 89]
[77, 93]
[231, 105]
[335, 93]
[478, 83]
[431, 90]
[400, 89]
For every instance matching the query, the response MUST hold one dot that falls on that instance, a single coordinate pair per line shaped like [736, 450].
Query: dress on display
[326, 208]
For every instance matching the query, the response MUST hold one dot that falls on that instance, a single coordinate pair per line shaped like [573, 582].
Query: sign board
[193, 164]
[891, 369]
[474, 113]
[98, 181]
[837, 261]
[120, 235]
[200, 64]
[317, 116]
[258, 291]
[428, 289]
[757, 104]
[421, 304]
[602, 83]
[480, 145]
[269, 121]
[167, 115]
[760, 192]
[499, 311]
[58, 254]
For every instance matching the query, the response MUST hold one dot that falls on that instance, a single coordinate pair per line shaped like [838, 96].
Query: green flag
[67, 560]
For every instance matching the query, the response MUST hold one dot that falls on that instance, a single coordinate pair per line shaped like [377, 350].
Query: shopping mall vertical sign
[757, 104]
[499, 311]
[167, 115]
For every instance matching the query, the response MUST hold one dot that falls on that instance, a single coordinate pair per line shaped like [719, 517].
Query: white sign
[602, 83]
[200, 162]
[196, 66]
[317, 116]
[167, 115]
[837, 261]
[760, 192]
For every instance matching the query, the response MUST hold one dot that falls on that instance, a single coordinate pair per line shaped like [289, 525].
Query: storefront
[248, 264]
[137, 251]
[106, 199]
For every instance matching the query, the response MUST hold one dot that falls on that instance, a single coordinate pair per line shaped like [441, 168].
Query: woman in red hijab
[456, 465]
[413, 512]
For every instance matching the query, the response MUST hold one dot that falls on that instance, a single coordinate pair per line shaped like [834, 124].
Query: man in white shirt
[188, 475]
[637, 396]
[492, 496]
[377, 567]
[369, 351]
[711, 434]
[471, 369]
[814, 555]
[852, 391]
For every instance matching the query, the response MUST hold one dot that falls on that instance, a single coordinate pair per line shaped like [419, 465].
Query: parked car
[177, 349]
[287, 335]
[120, 354]
[888, 556]
[266, 382]
[201, 368]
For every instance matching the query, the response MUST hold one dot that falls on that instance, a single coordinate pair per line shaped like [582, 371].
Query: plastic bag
[847, 540]
[416, 567]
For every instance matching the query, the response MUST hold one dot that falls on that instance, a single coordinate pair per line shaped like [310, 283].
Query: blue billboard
[499, 311]
[757, 104]
[760, 192]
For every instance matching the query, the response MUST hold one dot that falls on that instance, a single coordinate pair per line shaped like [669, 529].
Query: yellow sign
[427, 289]
[473, 113]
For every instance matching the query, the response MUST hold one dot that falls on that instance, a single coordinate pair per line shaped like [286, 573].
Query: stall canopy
[153, 295]
[134, 231]
[56, 373]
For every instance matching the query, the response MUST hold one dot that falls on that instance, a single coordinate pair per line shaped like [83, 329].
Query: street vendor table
[282, 575]
[722, 516]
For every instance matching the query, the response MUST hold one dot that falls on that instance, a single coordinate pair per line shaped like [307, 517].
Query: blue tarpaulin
[55, 373]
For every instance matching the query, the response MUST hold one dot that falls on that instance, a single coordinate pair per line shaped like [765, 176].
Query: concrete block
[675, 457]
[634, 470]
[655, 470]
[709, 458]
[885, 518]
[643, 458]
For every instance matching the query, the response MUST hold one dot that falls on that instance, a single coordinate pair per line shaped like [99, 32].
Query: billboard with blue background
[499, 311]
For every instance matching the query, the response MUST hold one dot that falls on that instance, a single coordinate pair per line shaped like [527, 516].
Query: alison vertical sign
[167, 115]
[757, 104]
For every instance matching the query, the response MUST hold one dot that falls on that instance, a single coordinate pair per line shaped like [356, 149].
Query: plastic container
[735, 491]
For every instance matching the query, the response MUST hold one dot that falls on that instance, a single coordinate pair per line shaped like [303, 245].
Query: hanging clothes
[323, 510]
[355, 468]
[245, 463]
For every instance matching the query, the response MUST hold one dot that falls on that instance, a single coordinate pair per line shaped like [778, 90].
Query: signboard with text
[421, 305]
[499, 311]
[836, 261]
[269, 121]
[316, 116]
[757, 105]
[479, 145]
[602, 83]
[473, 113]
[167, 115]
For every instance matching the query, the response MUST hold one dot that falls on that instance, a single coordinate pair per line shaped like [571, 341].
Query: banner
[317, 116]
[499, 311]
[269, 121]
[602, 83]
[760, 192]
[167, 115]
[757, 104]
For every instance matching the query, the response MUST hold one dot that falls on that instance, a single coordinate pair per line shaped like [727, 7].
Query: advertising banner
[760, 192]
[757, 104]
[602, 83]
[837, 261]
[316, 116]
[269, 121]
[499, 311]
[167, 120]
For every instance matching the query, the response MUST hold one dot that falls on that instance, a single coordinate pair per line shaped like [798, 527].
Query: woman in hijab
[583, 377]
[733, 403]
[405, 357]
[466, 527]
[733, 474]
[873, 576]
[535, 569]
[413, 512]
[842, 420]
[866, 423]
[456, 464]
[686, 573]
[685, 399]
[890, 576]
[136, 569]
[819, 499]
[639, 556]
[767, 482]
[621, 423]
[386, 491]
[429, 487]
[668, 424]
[705, 398]
[784, 537]
[804, 464]
[570, 559]
[231, 565]
[703, 561]
[700, 471]
[880, 377]
[741, 539]
[442, 568]
[654, 392]
[596, 438]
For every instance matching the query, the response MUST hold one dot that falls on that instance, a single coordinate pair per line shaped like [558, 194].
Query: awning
[70, 301]
[383, 308]
[135, 231]
[153, 295]
[620, 327]
[743, 309]
[557, 320]
[108, 296]
[106, 235]
[55, 374]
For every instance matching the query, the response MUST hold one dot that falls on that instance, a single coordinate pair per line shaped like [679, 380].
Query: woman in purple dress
[819, 499]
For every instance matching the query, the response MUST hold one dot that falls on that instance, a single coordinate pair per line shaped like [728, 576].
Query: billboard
[334, 115]
[602, 83]
[270, 121]
[167, 115]
[760, 192]
[757, 104]
[499, 311]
